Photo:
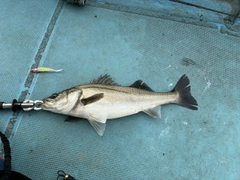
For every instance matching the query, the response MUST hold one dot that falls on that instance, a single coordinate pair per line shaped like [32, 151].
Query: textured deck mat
[22, 27]
[183, 144]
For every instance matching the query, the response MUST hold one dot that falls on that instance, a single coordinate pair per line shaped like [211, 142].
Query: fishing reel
[26, 105]
[8, 174]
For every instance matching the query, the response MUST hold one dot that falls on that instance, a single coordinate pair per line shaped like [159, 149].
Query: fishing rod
[7, 173]
[26, 105]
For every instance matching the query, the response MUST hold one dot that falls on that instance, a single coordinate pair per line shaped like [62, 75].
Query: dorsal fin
[141, 85]
[106, 79]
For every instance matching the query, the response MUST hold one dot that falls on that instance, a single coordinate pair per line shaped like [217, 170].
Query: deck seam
[25, 90]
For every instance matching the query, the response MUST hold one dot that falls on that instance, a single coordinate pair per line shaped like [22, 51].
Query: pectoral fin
[98, 123]
[92, 99]
[154, 112]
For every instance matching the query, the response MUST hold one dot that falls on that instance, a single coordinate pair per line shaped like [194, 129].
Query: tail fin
[185, 97]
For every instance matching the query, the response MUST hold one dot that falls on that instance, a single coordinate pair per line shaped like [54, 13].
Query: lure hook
[61, 173]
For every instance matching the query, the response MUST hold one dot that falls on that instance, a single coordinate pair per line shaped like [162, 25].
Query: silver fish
[103, 99]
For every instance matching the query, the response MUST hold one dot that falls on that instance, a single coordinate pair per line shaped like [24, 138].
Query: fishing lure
[44, 69]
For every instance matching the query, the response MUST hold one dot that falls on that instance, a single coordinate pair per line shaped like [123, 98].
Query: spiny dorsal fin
[92, 99]
[141, 85]
[106, 79]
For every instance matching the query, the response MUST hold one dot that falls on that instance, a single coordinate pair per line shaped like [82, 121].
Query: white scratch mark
[164, 132]
[152, 148]
[168, 66]
[165, 120]
[185, 123]
[170, 86]
[207, 86]
[150, 139]
[199, 130]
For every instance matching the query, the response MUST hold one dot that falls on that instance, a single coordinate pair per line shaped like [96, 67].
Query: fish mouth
[46, 104]
[42, 105]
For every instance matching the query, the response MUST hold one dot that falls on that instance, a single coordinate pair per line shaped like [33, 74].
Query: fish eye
[53, 96]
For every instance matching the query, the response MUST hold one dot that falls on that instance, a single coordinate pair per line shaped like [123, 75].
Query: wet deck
[90, 41]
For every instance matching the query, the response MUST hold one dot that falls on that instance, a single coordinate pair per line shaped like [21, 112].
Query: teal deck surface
[89, 41]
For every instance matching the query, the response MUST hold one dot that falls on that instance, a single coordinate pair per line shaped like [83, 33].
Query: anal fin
[154, 112]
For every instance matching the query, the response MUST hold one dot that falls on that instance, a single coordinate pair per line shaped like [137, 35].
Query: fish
[104, 99]
[44, 69]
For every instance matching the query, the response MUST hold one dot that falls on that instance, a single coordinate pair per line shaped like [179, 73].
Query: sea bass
[103, 99]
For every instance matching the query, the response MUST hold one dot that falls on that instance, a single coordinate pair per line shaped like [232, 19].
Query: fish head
[62, 102]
